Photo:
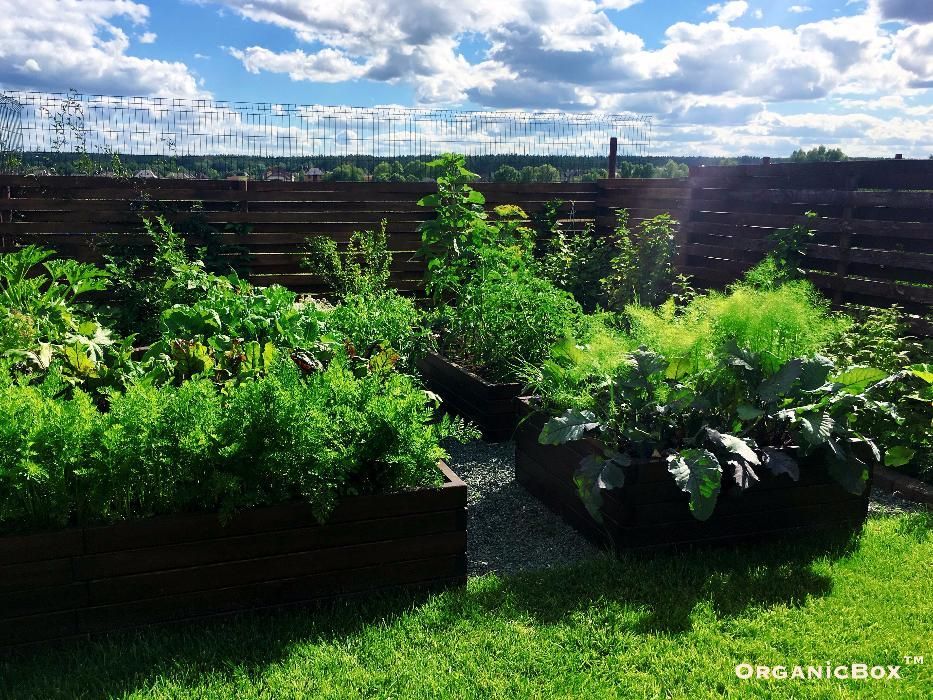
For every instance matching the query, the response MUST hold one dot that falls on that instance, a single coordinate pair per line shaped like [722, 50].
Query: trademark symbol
[913, 660]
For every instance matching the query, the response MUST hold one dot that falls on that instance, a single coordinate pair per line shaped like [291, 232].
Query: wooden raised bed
[171, 568]
[490, 406]
[651, 511]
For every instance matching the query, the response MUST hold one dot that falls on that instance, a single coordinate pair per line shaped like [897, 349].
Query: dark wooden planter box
[651, 511]
[171, 568]
[490, 406]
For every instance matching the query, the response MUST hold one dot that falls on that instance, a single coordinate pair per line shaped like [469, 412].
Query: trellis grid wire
[68, 132]
[11, 132]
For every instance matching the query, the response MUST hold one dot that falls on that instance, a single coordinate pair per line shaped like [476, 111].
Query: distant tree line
[515, 168]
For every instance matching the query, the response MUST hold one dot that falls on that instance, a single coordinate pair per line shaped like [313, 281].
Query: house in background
[146, 174]
[312, 174]
[279, 174]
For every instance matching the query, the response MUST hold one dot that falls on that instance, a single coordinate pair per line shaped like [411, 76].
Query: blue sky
[737, 77]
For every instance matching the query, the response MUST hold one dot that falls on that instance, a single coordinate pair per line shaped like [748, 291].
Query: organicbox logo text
[828, 671]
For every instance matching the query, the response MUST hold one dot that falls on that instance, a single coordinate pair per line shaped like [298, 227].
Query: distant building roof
[146, 174]
[314, 171]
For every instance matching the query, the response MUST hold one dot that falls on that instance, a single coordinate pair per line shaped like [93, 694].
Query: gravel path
[511, 531]
[883, 503]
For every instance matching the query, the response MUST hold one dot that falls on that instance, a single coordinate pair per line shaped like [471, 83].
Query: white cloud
[759, 13]
[617, 4]
[728, 11]
[147, 38]
[914, 53]
[324, 66]
[569, 55]
[61, 44]
[799, 9]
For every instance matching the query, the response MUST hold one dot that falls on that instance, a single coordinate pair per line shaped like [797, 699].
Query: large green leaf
[816, 427]
[898, 456]
[748, 412]
[779, 383]
[923, 370]
[779, 462]
[567, 427]
[596, 474]
[699, 473]
[814, 372]
[850, 473]
[857, 379]
[679, 367]
[733, 444]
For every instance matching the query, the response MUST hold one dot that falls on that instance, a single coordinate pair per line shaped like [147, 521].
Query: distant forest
[500, 168]
[494, 168]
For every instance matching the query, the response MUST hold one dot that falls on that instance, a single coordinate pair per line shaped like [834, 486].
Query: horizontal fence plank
[842, 198]
[874, 174]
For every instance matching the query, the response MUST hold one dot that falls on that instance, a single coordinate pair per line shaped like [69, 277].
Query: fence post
[613, 150]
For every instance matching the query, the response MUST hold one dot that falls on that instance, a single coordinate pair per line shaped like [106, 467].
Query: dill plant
[789, 320]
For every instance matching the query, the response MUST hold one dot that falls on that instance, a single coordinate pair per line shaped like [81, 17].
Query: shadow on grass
[665, 587]
[668, 586]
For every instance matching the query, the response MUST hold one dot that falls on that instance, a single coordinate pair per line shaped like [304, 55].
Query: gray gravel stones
[510, 530]
[883, 503]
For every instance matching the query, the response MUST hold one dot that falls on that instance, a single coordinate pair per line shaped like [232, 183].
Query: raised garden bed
[178, 567]
[490, 406]
[652, 512]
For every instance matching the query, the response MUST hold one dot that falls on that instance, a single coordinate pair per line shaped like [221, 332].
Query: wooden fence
[874, 242]
[67, 213]
[874, 224]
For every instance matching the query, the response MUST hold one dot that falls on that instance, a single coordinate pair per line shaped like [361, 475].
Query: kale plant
[724, 427]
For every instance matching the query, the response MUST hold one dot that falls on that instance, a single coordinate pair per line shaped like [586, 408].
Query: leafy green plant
[881, 337]
[319, 428]
[145, 285]
[363, 268]
[48, 299]
[44, 443]
[642, 270]
[387, 319]
[451, 241]
[575, 262]
[733, 382]
[233, 333]
[724, 427]
[369, 313]
[47, 320]
[505, 320]
[782, 263]
[786, 321]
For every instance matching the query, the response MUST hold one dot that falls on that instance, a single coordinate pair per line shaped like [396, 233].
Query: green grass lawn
[665, 626]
